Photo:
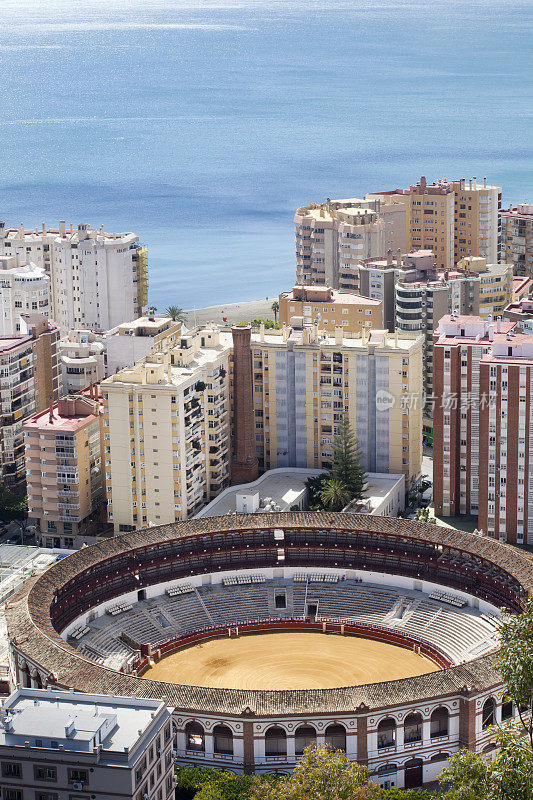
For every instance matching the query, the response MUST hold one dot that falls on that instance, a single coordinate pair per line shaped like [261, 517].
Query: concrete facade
[64, 745]
[483, 412]
[351, 312]
[98, 280]
[128, 343]
[516, 240]
[24, 289]
[82, 357]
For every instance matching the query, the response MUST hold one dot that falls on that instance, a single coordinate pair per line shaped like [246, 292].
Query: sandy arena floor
[289, 661]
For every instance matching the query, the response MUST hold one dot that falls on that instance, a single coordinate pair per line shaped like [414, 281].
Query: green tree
[335, 494]
[12, 505]
[320, 774]
[509, 776]
[515, 663]
[275, 309]
[152, 310]
[347, 465]
[175, 313]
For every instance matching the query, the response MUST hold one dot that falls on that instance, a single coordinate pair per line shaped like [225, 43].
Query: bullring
[403, 729]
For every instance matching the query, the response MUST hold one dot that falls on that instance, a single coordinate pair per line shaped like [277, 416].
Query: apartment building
[424, 294]
[29, 381]
[305, 381]
[63, 450]
[332, 237]
[166, 431]
[454, 218]
[483, 416]
[82, 359]
[24, 289]
[128, 343]
[97, 279]
[61, 744]
[376, 278]
[516, 239]
[330, 308]
[521, 312]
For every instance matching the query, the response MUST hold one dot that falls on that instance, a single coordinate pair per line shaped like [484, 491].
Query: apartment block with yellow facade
[305, 380]
[454, 219]
[167, 431]
[331, 308]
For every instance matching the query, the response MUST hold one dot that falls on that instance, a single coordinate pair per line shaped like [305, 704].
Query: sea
[202, 126]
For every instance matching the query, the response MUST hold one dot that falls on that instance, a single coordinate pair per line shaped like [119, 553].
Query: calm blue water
[202, 126]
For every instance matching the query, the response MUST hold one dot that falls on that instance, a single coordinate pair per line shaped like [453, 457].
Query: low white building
[285, 489]
[82, 356]
[384, 496]
[101, 745]
[24, 289]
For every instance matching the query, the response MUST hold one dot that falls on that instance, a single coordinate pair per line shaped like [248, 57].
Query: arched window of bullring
[413, 728]
[195, 737]
[336, 737]
[222, 739]
[386, 733]
[275, 742]
[439, 722]
[488, 716]
[303, 737]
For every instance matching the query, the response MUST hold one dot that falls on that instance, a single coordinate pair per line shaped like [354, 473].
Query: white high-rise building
[98, 280]
[24, 289]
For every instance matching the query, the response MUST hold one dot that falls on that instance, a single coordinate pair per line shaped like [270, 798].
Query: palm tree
[175, 313]
[275, 309]
[152, 310]
[335, 494]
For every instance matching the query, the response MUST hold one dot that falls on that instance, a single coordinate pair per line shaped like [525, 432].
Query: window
[43, 773]
[336, 737]
[10, 769]
[12, 794]
[386, 733]
[413, 728]
[275, 742]
[488, 718]
[77, 776]
[439, 723]
[194, 736]
[46, 796]
[223, 739]
[303, 737]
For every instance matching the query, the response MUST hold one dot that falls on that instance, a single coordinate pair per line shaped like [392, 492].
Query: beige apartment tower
[305, 381]
[332, 237]
[454, 219]
[167, 431]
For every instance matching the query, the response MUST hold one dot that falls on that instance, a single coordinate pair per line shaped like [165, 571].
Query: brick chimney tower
[244, 467]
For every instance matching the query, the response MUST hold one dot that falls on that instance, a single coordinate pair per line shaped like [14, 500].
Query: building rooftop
[11, 342]
[283, 486]
[76, 721]
[159, 369]
[323, 294]
[144, 326]
[65, 417]
[321, 339]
